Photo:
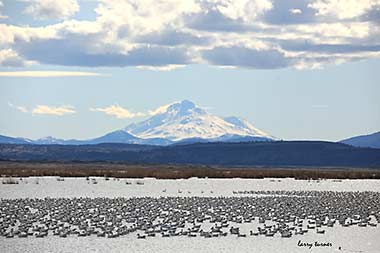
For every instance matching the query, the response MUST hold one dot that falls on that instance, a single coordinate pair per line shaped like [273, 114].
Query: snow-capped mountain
[185, 120]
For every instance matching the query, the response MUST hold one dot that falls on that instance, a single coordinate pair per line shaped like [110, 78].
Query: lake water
[349, 239]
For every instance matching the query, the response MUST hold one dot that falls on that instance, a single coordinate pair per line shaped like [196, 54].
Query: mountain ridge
[274, 153]
[365, 141]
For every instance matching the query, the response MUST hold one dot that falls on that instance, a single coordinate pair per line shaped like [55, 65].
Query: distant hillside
[370, 141]
[51, 152]
[283, 153]
[12, 140]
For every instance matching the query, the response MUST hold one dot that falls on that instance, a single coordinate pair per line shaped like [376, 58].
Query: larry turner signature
[313, 244]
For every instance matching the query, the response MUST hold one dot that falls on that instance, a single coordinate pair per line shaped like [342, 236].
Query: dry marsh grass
[108, 170]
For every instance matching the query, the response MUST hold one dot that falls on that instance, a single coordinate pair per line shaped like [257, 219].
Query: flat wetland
[102, 207]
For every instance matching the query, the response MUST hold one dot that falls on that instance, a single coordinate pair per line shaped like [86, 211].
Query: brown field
[26, 169]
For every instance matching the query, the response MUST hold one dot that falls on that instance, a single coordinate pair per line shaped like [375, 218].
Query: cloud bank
[123, 113]
[118, 112]
[163, 34]
[44, 73]
[112, 110]
[18, 107]
[45, 109]
[52, 110]
[52, 9]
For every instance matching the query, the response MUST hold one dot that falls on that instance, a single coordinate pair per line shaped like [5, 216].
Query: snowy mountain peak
[184, 108]
[184, 120]
[184, 105]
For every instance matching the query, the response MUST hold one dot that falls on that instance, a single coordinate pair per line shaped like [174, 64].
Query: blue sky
[295, 69]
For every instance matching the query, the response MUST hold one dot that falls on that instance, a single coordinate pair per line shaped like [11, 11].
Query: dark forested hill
[282, 153]
[364, 141]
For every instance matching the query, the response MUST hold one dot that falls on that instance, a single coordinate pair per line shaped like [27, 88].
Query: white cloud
[46, 73]
[118, 111]
[162, 35]
[51, 110]
[295, 11]
[246, 10]
[159, 110]
[10, 58]
[168, 67]
[44, 109]
[122, 113]
[9, 34]
[145, 16]
[52, 9]
[18, 107]
[343, 8]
